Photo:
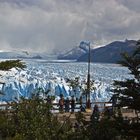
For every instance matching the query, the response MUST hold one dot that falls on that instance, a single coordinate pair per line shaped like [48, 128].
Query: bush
[32, 119]
[7, 65]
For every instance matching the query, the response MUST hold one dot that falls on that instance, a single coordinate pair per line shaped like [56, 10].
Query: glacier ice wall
[52, 77]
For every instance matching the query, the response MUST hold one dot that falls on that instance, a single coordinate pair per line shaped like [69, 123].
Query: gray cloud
[52, 26]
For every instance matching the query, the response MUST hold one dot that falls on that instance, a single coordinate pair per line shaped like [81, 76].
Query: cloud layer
[55, 26]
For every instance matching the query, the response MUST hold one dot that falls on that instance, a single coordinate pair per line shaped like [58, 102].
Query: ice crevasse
[23, 83]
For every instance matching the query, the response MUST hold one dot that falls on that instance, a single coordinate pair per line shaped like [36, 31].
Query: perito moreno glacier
[40, 74]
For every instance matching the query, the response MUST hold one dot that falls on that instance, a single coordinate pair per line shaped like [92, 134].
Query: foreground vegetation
[32, 119]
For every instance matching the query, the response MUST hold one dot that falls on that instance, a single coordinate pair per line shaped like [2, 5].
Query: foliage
[74, 84]
[32, 119]
[80, 127]
[82, 85]
[127, 93]
[8, 64]
[102, 130]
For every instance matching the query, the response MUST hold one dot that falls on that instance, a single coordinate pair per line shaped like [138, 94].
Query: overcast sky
[57, 25]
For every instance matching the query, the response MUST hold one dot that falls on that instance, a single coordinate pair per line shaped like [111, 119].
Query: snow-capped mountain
[25, 55]
[75, 53]
[110, 53]
[12, 54]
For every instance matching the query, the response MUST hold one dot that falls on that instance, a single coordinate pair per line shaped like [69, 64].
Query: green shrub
[8, 64]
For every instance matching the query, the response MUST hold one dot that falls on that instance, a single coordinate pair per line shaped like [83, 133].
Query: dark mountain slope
[109, 53]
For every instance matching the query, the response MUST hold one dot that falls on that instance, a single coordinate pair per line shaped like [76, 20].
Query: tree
[81, 84]
[8, 64]
[127, 93]
[74, 84]
[32, 119]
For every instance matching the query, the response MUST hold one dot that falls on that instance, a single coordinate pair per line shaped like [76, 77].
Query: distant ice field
[98, 71]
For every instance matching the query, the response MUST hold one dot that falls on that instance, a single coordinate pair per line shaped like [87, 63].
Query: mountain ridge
[74, 53]
[110, 53]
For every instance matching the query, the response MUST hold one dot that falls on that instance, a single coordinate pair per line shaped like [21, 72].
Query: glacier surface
[40, 74]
